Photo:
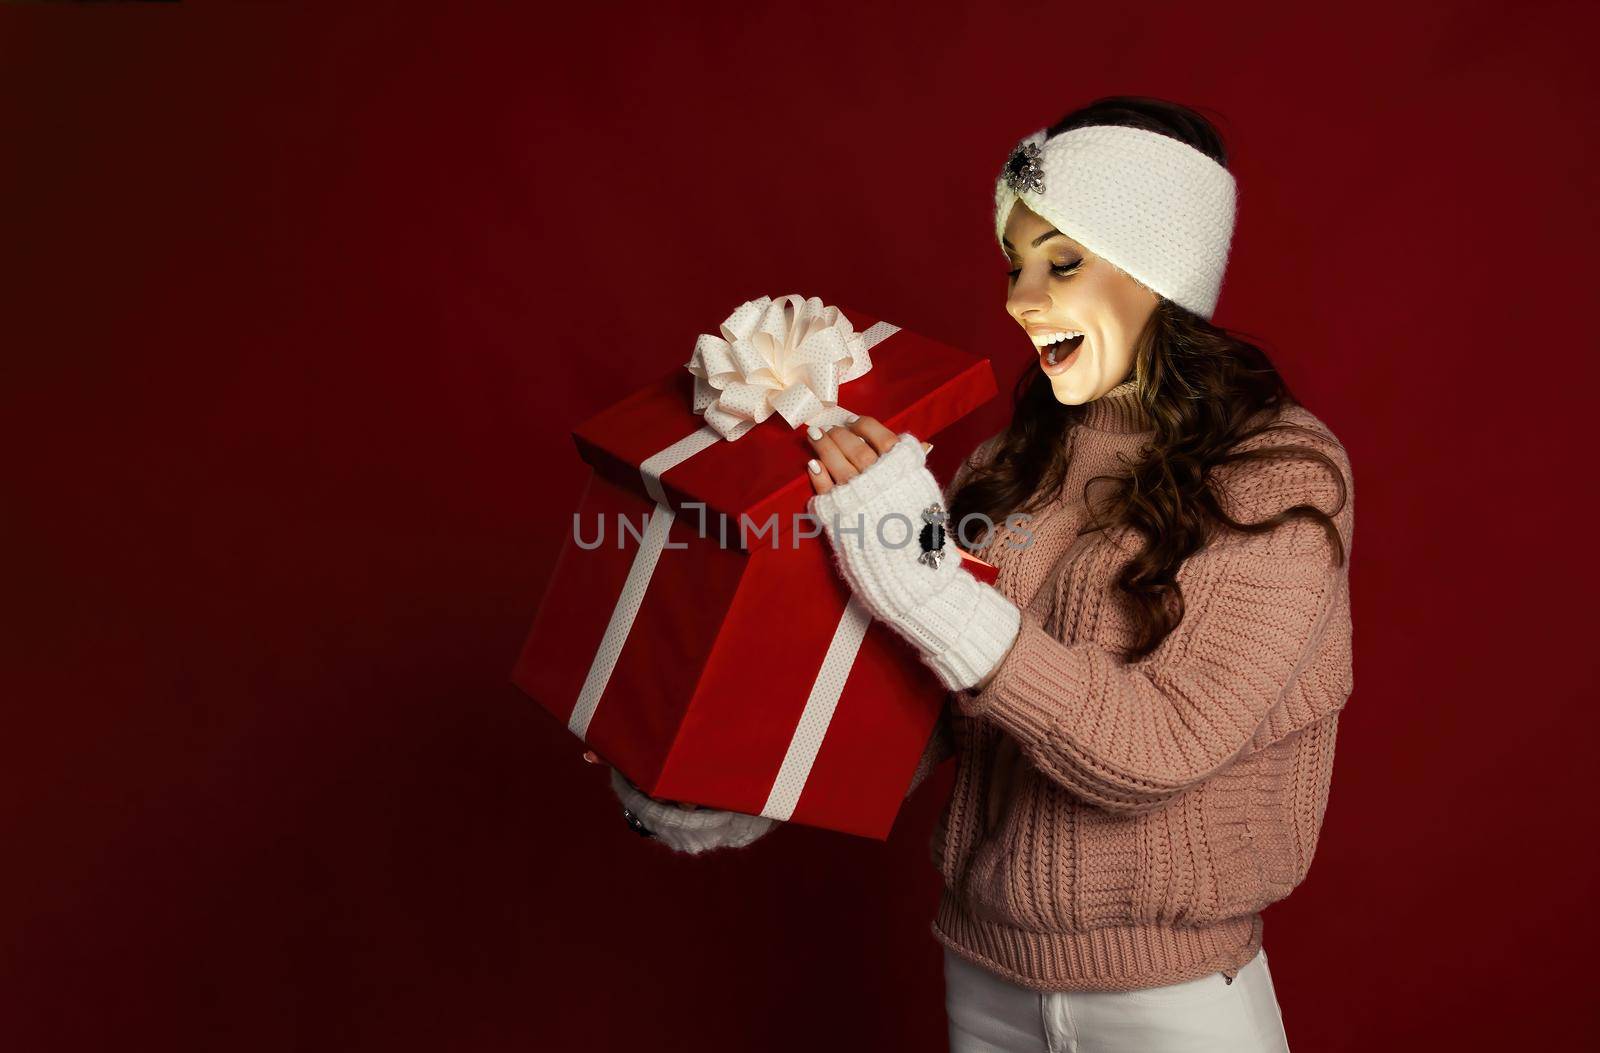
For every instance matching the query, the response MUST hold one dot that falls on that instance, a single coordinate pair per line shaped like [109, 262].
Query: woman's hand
[594, 758]
[845, 450]
[684, 827]
[961, 626]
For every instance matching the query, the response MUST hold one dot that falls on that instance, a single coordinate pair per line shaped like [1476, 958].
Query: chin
[1069, 393]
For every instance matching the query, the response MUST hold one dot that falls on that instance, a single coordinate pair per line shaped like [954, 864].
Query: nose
[1028, 294]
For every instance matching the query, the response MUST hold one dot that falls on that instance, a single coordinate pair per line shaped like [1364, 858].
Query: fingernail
[815, 466]
[853, 418]
[927, 447]
[813, 432]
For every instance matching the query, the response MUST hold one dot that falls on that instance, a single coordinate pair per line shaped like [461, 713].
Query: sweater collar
[1118, 410]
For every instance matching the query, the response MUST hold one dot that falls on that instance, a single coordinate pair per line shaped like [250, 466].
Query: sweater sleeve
[1131, 736]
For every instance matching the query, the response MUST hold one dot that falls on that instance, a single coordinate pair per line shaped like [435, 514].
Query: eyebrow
[1040, 240]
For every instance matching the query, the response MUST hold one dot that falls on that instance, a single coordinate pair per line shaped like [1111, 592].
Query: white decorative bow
[786, 356]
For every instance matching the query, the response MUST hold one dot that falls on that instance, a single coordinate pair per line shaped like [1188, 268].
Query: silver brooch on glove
[932, 536]
[1024, 170]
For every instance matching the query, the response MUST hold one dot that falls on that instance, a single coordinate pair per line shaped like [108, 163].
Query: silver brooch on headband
[1024, 171]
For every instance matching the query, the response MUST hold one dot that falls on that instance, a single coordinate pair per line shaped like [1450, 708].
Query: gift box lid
[916, 384]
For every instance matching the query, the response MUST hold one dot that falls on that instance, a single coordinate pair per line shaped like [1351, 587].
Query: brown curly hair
[1206, 390]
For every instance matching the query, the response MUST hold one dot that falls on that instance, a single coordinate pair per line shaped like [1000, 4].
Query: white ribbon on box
[788, 357]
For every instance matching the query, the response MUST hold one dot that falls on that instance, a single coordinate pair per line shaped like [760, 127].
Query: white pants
[990, 1014]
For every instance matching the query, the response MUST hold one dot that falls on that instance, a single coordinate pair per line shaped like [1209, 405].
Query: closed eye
[1059, 270]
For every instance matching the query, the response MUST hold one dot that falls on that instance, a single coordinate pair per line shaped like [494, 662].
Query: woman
[1143, 705]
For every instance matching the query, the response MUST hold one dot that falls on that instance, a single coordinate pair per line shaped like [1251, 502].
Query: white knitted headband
[1155, 207]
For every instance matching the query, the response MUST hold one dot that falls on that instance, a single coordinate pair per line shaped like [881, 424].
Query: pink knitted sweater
[1116, 825]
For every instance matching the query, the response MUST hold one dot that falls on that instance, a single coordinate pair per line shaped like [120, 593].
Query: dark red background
[301, 305]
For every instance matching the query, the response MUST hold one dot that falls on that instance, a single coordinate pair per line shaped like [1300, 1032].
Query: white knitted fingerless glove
[961, 627]
[689, 830]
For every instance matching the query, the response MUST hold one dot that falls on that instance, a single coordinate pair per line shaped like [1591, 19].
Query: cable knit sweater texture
[1121, 825]
[1115, 825]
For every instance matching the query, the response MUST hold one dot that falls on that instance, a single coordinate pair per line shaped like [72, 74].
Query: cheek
[1113, 343]
[1119, 313]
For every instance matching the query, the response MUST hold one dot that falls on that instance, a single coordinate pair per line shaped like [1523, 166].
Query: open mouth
[1056, 353]
[1062, 348]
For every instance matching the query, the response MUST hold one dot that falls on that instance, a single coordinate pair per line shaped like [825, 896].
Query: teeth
[1055, 338]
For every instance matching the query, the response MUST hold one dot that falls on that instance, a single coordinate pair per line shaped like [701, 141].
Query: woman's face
[1058, 286]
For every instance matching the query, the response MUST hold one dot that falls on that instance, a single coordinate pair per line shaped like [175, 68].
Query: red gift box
[732, 667]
